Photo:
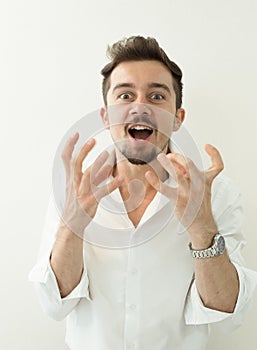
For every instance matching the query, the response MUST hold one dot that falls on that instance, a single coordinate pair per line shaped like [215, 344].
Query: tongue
[141, 134]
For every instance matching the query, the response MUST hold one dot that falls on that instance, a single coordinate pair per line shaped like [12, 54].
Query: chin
[142, 155]
[141, 158]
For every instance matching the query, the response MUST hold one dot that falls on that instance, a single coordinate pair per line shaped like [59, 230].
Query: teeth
[141, 127]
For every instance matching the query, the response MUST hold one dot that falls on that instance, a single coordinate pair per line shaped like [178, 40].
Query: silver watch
[218, 247]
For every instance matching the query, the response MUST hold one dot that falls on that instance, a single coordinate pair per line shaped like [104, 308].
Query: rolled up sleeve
[44, 279]
[50, 299]
[196, 313]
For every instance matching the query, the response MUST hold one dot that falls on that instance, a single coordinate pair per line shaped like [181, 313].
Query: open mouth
[140, 131]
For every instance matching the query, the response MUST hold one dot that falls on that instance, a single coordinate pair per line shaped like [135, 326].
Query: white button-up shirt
[137, 290]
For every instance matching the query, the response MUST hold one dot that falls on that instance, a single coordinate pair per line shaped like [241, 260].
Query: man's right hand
[82, 198]
[82, 191]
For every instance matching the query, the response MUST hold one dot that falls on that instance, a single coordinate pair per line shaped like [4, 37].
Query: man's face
[141, 109]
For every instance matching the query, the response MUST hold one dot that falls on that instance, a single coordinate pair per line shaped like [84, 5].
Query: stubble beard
[142, 157]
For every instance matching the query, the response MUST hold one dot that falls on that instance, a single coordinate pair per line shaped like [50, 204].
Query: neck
[134, 177]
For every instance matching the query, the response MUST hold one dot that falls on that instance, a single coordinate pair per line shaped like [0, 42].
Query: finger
[85, 184]
[87, 178]
[108, 188]
[181, 175]
[111, 159]
[79, 160]
[98, 164]
[166, 164]
[217, 162]
[180, 162]
[103, 167]
[68, 150]
[103, 174]
[159, 186]
[175, 169]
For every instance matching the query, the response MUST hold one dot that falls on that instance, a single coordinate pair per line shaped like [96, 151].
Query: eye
[125, 96]
[157, 97]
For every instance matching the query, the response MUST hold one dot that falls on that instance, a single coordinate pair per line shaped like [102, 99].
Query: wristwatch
[218, 247]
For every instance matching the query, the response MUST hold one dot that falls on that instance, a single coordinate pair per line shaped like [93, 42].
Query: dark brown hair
[138, 48]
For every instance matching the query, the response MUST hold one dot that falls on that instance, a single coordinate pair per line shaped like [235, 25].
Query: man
[159, 294]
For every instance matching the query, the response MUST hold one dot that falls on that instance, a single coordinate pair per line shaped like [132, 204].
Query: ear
[179, 118]
[104, 116]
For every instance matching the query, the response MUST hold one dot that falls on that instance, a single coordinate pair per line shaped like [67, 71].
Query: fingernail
[149, 174]
[161, 156]
[89, 142]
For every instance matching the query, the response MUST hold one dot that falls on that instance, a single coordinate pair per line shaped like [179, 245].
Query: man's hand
[82, 198]
[82, 191]
[192, 196]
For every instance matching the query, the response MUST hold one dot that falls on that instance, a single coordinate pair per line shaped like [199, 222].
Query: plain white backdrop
[51, 56]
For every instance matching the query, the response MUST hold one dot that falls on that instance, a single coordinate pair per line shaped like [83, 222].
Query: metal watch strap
[202, 254]
[217, 248]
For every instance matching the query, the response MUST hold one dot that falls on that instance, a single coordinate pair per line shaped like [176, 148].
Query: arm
[227, 211]
[216, 278]
[67, 259]
[43, 277]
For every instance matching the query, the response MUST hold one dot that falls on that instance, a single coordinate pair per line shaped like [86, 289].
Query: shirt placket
[132, 308]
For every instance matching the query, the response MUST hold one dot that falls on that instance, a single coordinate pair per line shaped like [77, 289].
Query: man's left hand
[192, 195]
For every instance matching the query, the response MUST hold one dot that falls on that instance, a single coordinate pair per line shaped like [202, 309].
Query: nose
[140, 109]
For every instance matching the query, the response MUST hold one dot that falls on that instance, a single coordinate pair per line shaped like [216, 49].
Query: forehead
[141, 73]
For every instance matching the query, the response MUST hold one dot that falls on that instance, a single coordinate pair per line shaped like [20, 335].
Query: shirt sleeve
[227, 211]
[44, 279]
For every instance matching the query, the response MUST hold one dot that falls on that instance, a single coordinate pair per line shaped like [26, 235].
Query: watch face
[221, 244]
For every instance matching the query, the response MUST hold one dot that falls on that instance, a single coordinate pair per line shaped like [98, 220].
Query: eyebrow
[123, 85]
[161, 86]
[133, 86]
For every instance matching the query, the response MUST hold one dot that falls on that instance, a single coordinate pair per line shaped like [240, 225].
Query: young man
[159, 294]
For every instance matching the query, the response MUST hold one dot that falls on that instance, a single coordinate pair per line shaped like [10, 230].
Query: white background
[51, 55]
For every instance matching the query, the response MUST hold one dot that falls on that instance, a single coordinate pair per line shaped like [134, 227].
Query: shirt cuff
[43, 273]
[80, 291]
[197, 314]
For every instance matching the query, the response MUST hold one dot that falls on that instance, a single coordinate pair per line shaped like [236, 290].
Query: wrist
[217, 248]
[202, 237]
[65, 234]
[202, 243]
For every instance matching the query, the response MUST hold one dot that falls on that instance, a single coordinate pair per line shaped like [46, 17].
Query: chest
[135, 215]
[137, 204]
